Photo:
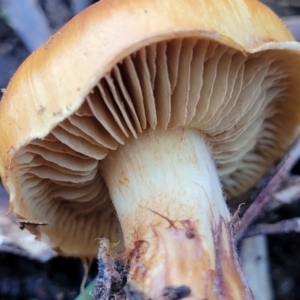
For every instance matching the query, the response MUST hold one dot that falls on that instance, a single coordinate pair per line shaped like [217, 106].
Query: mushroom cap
[228, 68]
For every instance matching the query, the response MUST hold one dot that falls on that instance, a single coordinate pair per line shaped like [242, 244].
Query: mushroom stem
[174, 219]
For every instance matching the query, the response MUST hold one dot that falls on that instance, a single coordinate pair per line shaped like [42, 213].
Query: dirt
[27, 279]
[22, 278]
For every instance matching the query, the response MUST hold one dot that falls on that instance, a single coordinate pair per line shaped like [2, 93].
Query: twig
[285, 226]
[288, 193]
[255, 264]
[28, 20]
[79, 5]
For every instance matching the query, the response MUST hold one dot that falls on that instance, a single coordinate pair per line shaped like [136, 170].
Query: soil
[22, 278]
[27, 279]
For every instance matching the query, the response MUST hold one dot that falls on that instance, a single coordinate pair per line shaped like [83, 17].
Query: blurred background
[29, 270]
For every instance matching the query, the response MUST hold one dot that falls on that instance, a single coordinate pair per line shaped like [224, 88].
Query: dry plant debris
[17, 241]
[112, 280]
[277, 188]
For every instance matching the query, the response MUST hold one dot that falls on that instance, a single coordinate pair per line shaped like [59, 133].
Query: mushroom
[164, 109]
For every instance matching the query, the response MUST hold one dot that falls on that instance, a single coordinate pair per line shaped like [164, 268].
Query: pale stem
[174, 219]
